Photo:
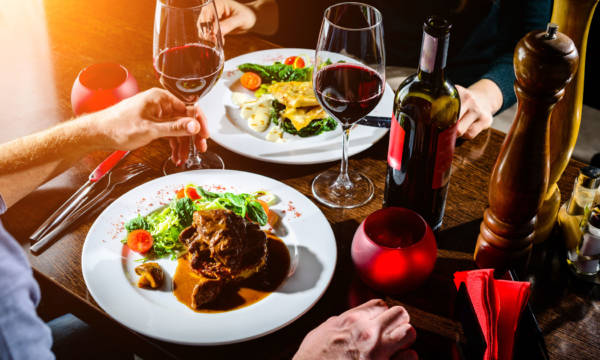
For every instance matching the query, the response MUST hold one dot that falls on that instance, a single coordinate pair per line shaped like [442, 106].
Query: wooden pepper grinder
[545, 62]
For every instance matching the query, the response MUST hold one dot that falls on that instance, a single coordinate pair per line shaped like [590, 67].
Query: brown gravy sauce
[245, 293]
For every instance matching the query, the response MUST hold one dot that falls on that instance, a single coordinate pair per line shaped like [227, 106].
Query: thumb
[184, 126]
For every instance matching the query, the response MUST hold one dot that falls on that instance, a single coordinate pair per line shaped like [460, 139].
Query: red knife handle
[107, 164]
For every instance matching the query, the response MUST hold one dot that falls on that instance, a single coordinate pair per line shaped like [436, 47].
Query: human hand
[371, 331]
[154, 113]
[478, 103]
[237, 18]
[234, 17]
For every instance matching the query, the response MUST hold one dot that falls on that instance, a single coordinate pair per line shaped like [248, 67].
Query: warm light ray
[25, 69]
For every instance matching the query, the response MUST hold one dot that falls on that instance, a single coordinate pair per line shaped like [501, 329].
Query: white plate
[230, 130]
[108, 265]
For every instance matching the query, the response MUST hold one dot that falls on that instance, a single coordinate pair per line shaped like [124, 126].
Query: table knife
[79, 196]
[376, 121]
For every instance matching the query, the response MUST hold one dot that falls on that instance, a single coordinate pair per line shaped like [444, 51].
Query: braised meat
[222, 248]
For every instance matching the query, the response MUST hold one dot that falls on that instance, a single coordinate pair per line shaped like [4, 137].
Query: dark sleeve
[23, 335]
[517, 18]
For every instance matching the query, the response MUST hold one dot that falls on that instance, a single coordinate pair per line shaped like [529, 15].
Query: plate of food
[264, 107]
[209, 257]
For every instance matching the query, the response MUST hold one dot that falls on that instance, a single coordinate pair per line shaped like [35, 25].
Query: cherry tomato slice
[290, 60]
[140, 241]
[192, 193]
[298, 63]
[250, 80]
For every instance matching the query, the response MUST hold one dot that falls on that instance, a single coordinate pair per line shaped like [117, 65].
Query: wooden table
[46, 44]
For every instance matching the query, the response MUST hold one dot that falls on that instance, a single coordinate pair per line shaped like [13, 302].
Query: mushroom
[151, 275]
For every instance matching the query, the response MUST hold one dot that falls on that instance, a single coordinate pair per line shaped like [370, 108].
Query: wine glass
[188, 60]
[349, 81]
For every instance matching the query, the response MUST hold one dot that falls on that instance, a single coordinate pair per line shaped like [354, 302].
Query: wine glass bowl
[188, 61]
[349, 81]
[99, 86]
[394, 250]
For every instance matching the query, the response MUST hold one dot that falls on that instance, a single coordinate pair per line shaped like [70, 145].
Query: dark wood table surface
[45, 44]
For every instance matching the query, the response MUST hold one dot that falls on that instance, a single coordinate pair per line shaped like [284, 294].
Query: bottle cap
[589, 177]
[437, 26]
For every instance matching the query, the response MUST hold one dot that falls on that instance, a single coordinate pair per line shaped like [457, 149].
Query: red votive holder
[99, 86]
[394, 250]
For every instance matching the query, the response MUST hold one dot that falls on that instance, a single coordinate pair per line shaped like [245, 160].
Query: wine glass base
[328, 190]
[207, 160]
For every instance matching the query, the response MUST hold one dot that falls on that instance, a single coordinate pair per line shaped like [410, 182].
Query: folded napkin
[498, 305]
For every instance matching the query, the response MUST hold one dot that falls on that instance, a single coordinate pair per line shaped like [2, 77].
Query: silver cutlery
[115, 177]
[80, 195]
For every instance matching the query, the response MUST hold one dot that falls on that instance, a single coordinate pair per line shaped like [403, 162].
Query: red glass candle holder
[99, 86]
[394, 250]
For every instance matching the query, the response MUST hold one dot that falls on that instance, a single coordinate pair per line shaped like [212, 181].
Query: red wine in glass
[348, 91]
[189, 71]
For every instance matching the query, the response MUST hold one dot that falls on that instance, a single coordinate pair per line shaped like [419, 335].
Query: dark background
[300, 22]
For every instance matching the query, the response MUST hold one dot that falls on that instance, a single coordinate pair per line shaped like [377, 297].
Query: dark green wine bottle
[423, 131]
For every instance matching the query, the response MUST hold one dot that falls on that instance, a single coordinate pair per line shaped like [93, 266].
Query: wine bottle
[423, 131]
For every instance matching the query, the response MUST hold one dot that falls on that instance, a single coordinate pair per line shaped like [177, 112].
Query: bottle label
[429, 53]
[443, 157]
[396, 145]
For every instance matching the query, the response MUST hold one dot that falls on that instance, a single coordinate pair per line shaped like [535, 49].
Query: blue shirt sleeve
[23, 335]
[517, 18]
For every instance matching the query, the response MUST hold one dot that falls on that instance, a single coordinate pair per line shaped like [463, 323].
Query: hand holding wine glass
[349, 81]
[188, 60]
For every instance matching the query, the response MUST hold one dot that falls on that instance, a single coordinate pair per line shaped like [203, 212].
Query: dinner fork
[115, 177]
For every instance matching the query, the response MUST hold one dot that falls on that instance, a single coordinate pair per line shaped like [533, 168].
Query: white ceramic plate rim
[159, 315]
[225, 130]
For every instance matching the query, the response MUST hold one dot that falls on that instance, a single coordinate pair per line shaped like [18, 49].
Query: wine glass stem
[343, 180]
[193, 158]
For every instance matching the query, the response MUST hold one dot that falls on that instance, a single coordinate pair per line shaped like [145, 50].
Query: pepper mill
[545, 62]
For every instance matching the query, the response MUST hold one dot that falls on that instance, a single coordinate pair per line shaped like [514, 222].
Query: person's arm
[495, 91]
[369, 331]
[30, 161]
[259, 16]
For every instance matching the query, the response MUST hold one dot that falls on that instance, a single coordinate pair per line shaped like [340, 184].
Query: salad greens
[278, 72]
[315, 127]
[166, 224]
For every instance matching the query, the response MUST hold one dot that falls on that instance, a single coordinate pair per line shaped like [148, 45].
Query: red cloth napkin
[498, 305]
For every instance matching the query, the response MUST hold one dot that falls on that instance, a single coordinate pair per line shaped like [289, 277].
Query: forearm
[267, 15]
[28, 162]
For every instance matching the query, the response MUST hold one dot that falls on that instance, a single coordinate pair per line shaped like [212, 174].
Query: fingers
[465, 122]
[475, 129]
[201, 117]
[227, 26]
[183, 149]
[370, 310]
[393, 317]
[184, 126]
[174, 150]
[163, 104]
[201, 144]
[403, 336]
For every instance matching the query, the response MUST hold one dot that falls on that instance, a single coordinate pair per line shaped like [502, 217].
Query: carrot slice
[250, 80]
[180, 193]
[272, 217]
